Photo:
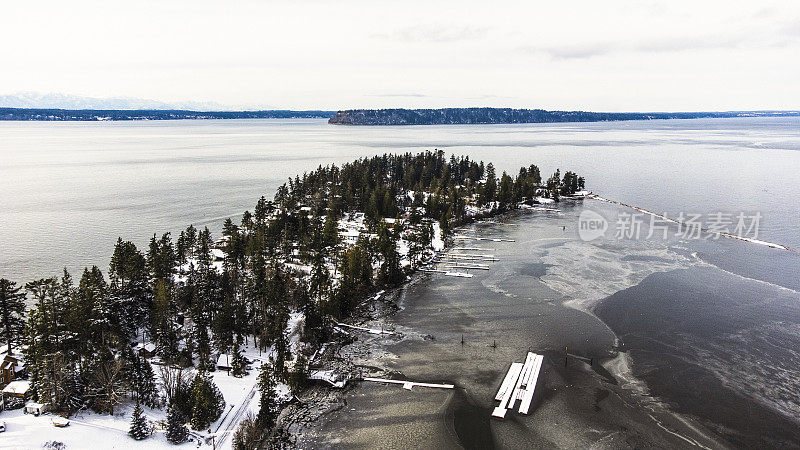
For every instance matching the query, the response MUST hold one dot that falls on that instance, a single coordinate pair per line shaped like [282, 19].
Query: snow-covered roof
[224, 360]
[150, 347]
[17, 387]
[217, 253]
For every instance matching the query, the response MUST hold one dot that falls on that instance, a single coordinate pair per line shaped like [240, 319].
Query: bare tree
[108, 384]
[171, 378]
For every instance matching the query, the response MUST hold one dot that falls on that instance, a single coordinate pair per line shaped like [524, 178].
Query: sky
[305, 54]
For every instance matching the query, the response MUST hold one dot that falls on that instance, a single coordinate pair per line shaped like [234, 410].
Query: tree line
[194, 296]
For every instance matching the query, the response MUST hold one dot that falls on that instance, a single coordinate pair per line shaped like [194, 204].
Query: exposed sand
[577, 406]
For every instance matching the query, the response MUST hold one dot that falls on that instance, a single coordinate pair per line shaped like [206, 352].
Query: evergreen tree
[268, 409]
[12, 311]
[490, 186]
[142, 381]
[128, 276]
[139, 428]
[298, 378]
[176, 425]
[162, 322]
[238, 364]
[207, 401]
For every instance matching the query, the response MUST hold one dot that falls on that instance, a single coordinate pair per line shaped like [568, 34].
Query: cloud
[579, 51]
[656, 46]
[434, 33]
[401, 95]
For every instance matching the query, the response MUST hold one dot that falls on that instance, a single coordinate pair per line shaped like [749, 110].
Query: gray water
[696, 316]
[70, 189]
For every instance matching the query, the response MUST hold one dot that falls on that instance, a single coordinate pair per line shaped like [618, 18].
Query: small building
[11, 368]
[147, 350]
[224, 362]
[217, 254]
[15, 394]
[36, 408]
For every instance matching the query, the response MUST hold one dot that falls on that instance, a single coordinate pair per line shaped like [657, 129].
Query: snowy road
[228, 426]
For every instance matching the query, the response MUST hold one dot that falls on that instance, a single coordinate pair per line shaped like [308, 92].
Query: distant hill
[149, 114]
[38, 100]
[446, 116]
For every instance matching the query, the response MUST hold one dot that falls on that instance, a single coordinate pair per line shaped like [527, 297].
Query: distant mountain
[446, 116]
[150, 114]
[64, 101]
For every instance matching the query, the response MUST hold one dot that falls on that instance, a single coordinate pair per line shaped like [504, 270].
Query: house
[11, 368]
[146, 351]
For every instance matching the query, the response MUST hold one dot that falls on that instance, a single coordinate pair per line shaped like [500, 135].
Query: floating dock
[410, 384]
[464, 238]
[368, 330]
[519, 385]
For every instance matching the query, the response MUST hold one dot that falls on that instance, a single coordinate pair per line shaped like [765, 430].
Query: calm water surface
[696, 316]
[70, 189]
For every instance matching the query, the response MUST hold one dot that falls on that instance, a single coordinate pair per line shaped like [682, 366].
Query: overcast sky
[593, 55]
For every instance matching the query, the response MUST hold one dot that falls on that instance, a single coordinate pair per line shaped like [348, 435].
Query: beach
[609, 400]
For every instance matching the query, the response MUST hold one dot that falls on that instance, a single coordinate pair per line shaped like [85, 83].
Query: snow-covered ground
[89, 430]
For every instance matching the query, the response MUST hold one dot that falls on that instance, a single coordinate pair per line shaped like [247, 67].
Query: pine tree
[12, 311]
[206, 400]
[139, 428]
[176, 425]
[142, 381]
[298, 377]
[238, 364]
[268, 410]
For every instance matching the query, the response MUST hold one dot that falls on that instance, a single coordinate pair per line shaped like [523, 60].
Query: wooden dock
[410, 384]
[519, 385]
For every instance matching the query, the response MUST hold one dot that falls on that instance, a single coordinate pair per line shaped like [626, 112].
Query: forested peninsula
[469, 116]
[153, 329]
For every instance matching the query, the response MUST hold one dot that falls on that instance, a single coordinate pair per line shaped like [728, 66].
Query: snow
[87, 429]
[224, 361]
[329, 376]
[459, 274]
[437, 243]
[25, 431]
[368, 330]
[294, 330]
[149, 347]
[17, 387]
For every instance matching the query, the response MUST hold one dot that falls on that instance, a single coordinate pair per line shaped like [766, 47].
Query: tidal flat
[553, 294]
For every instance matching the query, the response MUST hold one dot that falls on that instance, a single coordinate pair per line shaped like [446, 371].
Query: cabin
[15, 394]
[224, 362]
[12, 367]
[146, 351]
[217, 254]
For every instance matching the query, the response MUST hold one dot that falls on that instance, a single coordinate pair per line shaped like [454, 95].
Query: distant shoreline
[479, 116]
[96, 115]
[375, 117]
